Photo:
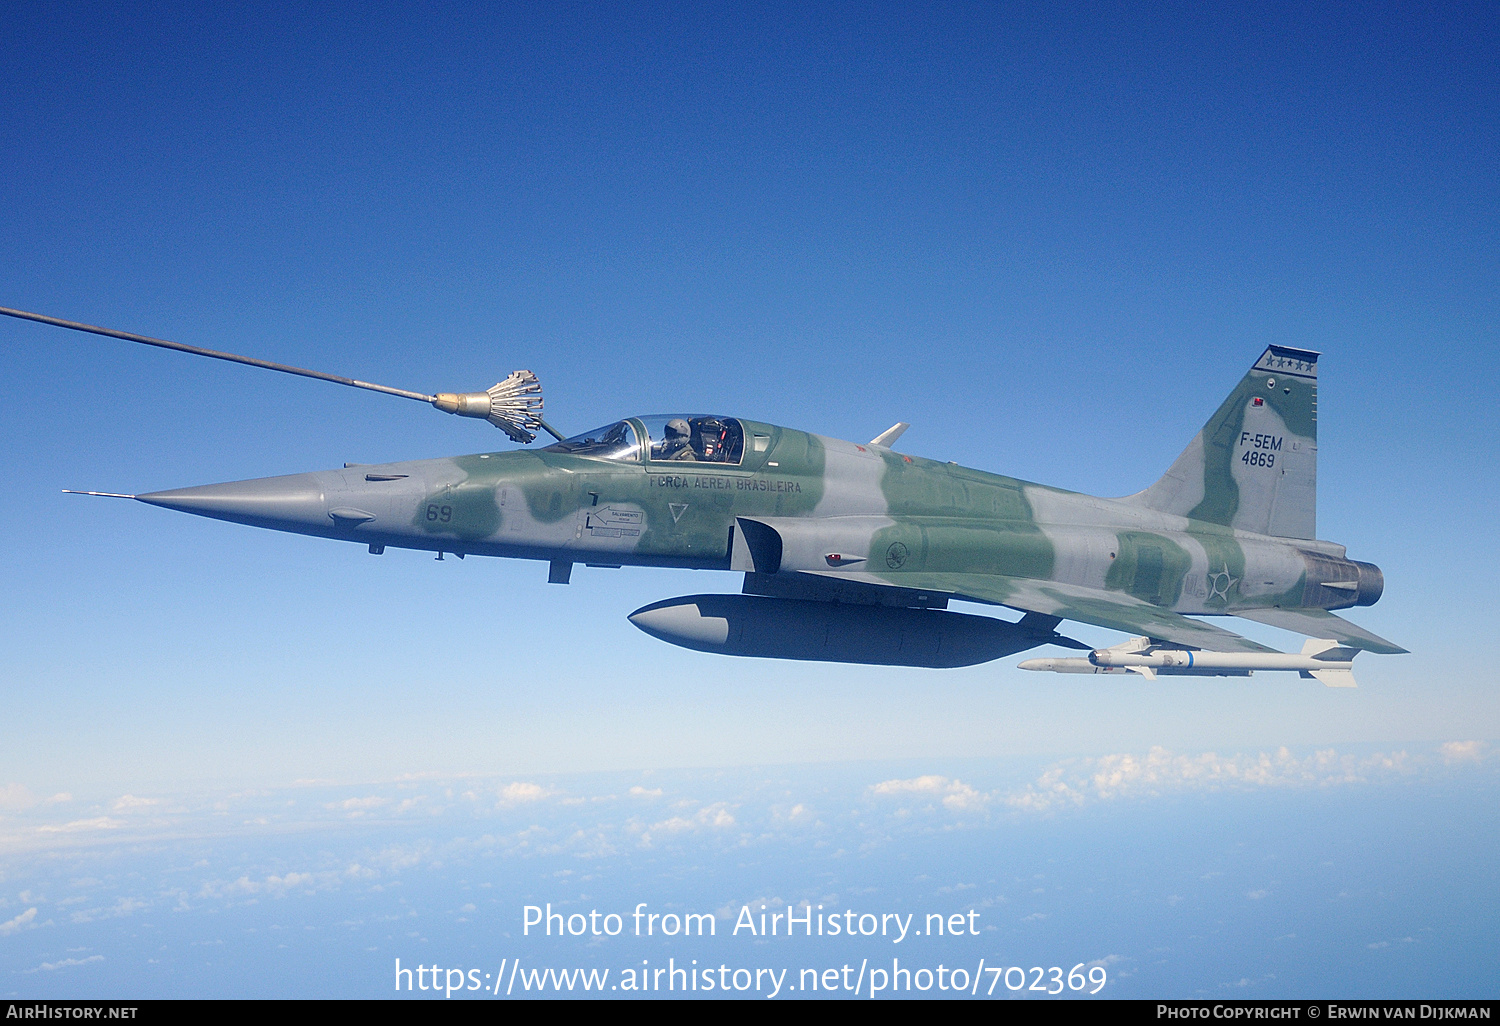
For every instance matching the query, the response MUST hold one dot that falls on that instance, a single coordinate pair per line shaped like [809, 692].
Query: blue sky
[1050, 240]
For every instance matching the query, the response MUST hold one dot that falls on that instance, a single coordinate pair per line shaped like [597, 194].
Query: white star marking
[1220, 583]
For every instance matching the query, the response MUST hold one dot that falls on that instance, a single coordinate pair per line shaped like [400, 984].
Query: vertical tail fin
[1254, 466]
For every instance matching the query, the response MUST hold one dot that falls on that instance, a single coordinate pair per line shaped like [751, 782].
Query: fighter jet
[852, 552]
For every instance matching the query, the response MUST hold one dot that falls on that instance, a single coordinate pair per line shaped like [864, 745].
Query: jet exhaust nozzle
[1340, 583]
[1371, 584]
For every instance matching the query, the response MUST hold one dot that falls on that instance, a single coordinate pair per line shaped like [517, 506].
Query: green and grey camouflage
[852, 552]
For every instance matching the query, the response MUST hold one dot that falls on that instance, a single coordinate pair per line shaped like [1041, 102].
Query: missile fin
[1335, 678]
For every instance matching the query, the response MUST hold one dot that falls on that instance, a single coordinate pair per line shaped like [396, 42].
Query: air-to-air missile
[852, 552]
[1326, 661]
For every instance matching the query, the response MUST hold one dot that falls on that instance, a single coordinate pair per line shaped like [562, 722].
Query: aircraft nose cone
[293, 500]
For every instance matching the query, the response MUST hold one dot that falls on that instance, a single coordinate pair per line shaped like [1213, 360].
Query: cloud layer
[401, 856]
[1076, 783]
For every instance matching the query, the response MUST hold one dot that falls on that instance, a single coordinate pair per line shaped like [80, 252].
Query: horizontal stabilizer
[1319, 623]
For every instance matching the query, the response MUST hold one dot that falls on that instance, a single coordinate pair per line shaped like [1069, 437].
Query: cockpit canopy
[675, 438]
[615, 441]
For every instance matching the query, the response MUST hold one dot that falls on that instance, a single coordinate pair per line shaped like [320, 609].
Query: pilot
[676, 446]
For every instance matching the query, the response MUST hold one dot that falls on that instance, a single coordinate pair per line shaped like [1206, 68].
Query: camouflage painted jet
[852, 553]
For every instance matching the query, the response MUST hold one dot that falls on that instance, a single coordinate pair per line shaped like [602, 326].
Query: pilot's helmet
[677, 428]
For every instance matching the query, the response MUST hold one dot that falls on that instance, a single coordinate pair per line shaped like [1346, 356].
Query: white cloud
[77, 825]
[716, 815]
[927, 784]
[397, 857]
[20, 922]
[1462, 751]
[65, 963]
[289, 881]
[676, 824]
[16, 797]
[954, 794]
[711, 817]
[276, 886]
[124, 907]
[130, 801]
[523, 791]
[1160, 771]
[357, 806]
[640, 792]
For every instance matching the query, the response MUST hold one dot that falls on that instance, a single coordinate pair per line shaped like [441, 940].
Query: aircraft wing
[1115, 610]
[1319, 623]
